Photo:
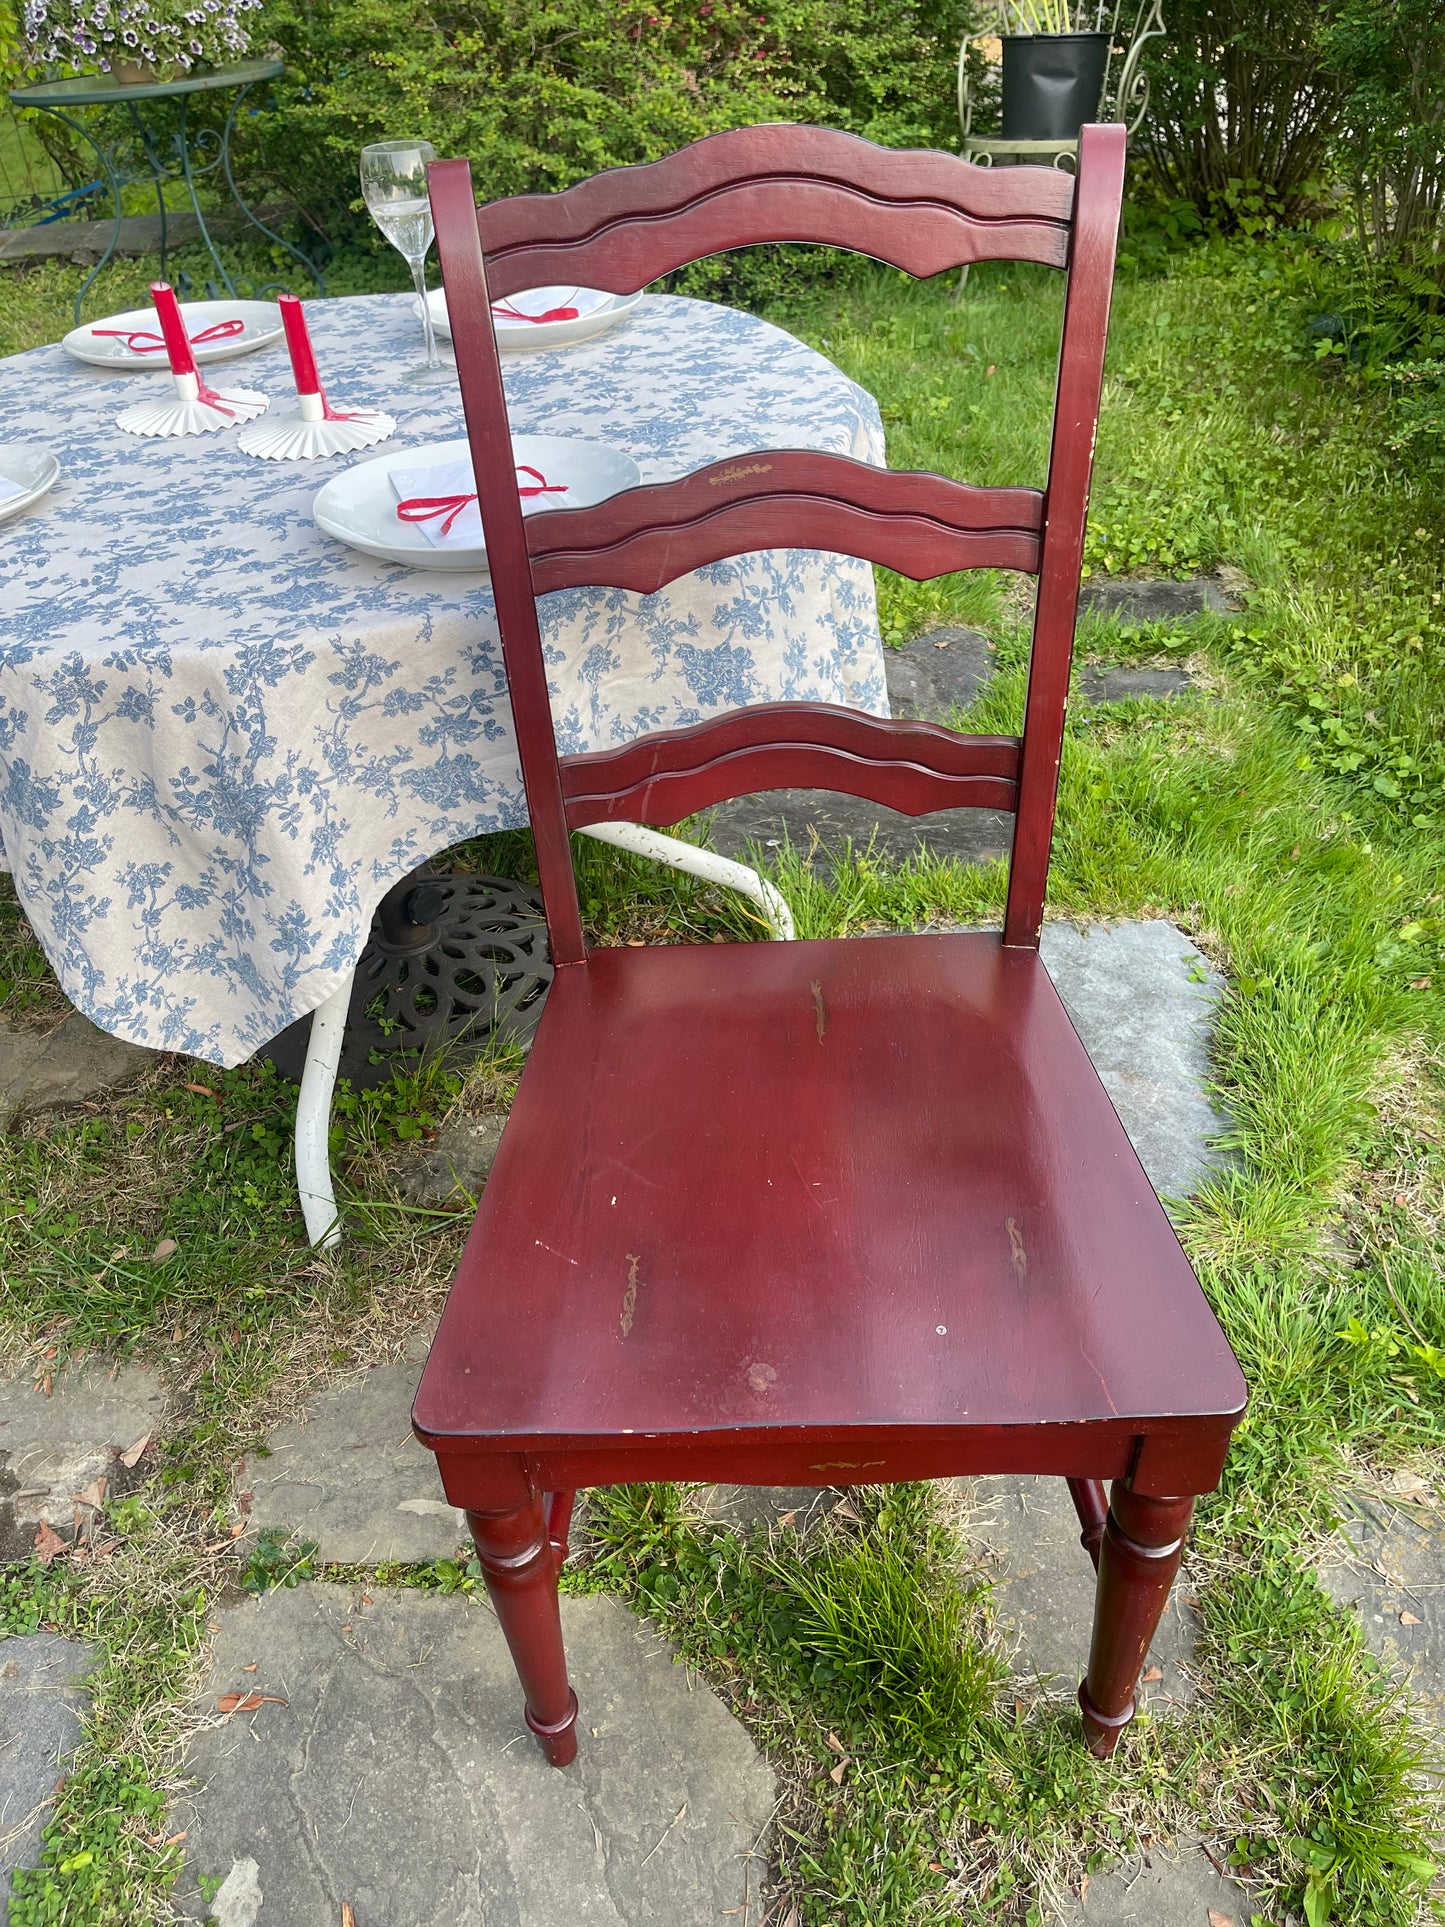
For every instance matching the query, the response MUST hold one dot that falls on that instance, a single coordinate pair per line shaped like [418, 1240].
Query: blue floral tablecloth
[224, 736]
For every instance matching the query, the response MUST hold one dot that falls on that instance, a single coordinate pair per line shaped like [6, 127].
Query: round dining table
[224, 735]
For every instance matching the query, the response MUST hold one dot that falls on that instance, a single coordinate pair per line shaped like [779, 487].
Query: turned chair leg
[1139, 1554]
[519, 1564]
[1091, 1502]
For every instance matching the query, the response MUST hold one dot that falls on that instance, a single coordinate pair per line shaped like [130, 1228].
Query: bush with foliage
[539, 93]
[1244, 109]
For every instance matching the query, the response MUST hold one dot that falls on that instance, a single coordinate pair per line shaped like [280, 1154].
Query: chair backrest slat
[921, 525]
[923, 212]
[913, 767]
[920, 210]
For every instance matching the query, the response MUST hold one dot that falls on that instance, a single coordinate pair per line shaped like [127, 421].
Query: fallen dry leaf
[48, 1543]
[238, 1528]
[247, 1702]
[164, 1250]
[201, 1090]
[51, 1350]
[1409, 1619]
[348, 1914]
[837, 1745]
[1150, 1674]
[1083, 1887]
[835, 1774]
[251, 1668]
[176, 1838]
[1217, 1919]
[47, 1385]
[131, 1458]
[93, 1495]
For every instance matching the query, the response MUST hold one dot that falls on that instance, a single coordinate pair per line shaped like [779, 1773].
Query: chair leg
[1091, 1502]
[519, 1564]
[1139, 1555]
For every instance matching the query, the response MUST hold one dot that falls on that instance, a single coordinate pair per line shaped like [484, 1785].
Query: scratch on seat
[629, 1297]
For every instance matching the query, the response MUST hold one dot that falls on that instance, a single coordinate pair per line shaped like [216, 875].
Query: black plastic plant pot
[1052, 83]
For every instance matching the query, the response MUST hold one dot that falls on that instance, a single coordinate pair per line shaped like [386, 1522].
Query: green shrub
[539, 93]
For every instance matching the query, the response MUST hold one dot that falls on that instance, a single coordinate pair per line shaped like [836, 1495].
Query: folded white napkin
[532, 303]
[449, 483]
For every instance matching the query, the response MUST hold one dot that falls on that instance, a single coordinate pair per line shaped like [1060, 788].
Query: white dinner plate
[358, 506]
[262, 319]
[514, 335]
[29, 469]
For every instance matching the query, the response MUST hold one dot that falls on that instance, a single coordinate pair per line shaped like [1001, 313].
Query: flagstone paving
[42, 1700]
[1043, 1590]
[75, 1063]
[386, 1768]
[61, 1455]
[1182, 1888]
[1389, 1567]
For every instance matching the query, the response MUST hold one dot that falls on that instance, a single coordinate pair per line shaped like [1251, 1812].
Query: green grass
[1287, 815]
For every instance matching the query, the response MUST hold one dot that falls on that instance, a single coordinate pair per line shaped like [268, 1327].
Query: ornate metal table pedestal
[146, 153]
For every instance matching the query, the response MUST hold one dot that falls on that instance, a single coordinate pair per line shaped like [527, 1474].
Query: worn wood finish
[810, 1213]
[922, 211]
[921, 525]
[912, 767]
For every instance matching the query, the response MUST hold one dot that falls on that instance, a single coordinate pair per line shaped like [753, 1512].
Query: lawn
[1287, 815]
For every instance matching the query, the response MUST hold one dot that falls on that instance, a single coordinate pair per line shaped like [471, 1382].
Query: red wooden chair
[810, 1213]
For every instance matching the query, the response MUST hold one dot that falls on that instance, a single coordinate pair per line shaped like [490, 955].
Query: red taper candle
[303, 361]
[173, 328]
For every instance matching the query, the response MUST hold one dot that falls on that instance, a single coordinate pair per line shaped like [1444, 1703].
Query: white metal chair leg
[701, 863]
[313, 1118]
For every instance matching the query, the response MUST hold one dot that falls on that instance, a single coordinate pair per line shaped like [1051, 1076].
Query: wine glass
[394, 185]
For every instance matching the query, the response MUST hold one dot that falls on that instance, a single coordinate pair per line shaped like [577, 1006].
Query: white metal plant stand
[328, 1020]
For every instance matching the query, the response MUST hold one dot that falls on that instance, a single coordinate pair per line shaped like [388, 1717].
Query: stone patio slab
[1136, 602]
[1390, 1568]
[75, 1064]
[42, 1700]
[398, 1777]
[1159, 1890]
[1143, 1001]
[353, 1479]
[52, 1450]
[1043, 1589]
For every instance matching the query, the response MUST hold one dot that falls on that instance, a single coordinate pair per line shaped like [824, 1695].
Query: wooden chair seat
[874, 1186]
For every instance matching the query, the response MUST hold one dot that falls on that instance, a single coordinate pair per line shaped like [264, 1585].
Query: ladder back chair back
[824, 1212]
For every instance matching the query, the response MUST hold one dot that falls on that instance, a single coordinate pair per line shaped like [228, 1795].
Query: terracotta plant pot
[1052, 83]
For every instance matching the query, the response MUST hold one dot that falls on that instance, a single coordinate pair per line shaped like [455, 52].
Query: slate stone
[792, 1507]
[1111, 683]
[935, 674]
[353, 1478]
[86, 241]
[53, 1449]
[1143, 1001]
[398, 1776]
[76, 1064]
[818, 825]
[1159, 1890]
[1043, 1588]
[1390, 1568]
[1134, 603]
[455, 1167]
[42, 1699]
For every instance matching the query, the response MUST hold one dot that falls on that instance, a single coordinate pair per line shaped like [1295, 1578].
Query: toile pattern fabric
[223, 736]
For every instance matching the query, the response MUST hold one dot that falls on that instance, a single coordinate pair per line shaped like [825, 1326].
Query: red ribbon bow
[509, 313]
[426, 508]
[141, 341]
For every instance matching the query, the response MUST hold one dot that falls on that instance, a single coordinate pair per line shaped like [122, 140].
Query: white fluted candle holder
[316, 428]
[192, 409]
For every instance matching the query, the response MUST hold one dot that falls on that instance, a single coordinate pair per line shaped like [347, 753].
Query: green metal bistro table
[161, 147]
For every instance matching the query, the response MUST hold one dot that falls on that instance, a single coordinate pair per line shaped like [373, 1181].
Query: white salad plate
[262, 319]
[597, 312]
[359, 506]
[26, 473]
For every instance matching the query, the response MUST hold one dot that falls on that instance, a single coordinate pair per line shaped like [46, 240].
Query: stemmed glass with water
[394, 186]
